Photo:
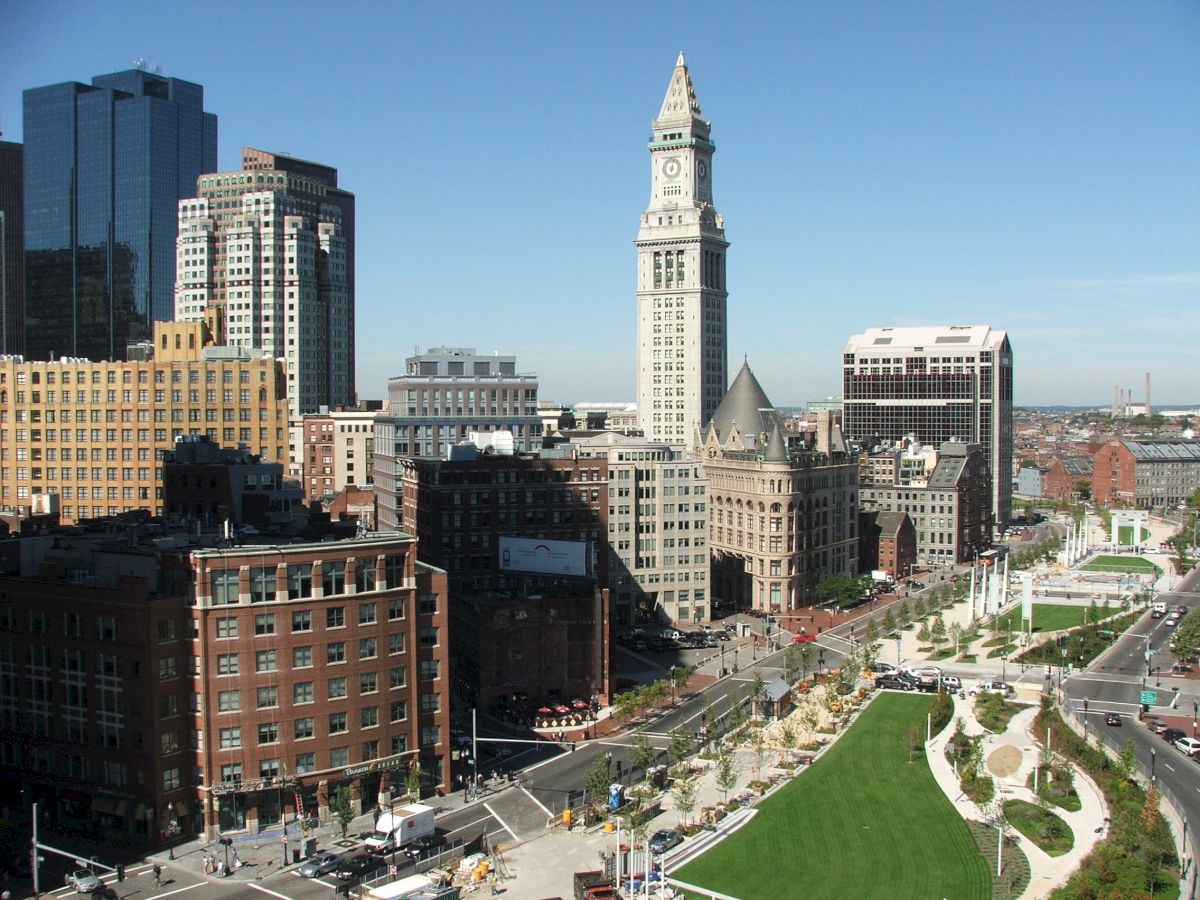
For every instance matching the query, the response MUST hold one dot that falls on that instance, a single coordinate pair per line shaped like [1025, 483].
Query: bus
[993, 556]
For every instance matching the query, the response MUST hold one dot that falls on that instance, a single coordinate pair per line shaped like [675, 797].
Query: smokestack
[1116, 401]
[1147, 394]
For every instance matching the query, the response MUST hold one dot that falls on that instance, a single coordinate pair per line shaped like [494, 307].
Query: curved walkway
[1014, 753]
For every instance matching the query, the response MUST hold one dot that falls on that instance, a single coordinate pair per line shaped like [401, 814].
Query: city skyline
[1024, 168]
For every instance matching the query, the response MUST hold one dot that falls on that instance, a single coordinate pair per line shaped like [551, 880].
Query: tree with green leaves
[787, 739]
[339, 805]
[919, 608]
[596, 780]
[871, 633]
[678, 678]
[806, 654]
[1185, 642]
[683, 793]
[1127, 760]
[924, 635]
[737, 713]
[791, 664]
[726, 775]
[412, 780]
[641, 755]
[938, 631]
[758, 693]
[905, 614]
[679, 746]
[889, 622]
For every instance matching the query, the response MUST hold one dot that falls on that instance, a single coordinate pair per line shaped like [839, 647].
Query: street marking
[535, 800]
[503, 825]
[468, 825]
[1169, 766]
[190, 886]
[259, 887]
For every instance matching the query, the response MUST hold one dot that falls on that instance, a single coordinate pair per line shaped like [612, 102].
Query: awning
[143, 813]
[180, 808]
[122, 808]
[101, 805]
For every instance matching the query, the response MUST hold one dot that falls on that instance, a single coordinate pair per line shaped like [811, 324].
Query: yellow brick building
[93, 433]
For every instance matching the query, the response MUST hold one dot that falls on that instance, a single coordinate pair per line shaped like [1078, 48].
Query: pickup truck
[594, 886]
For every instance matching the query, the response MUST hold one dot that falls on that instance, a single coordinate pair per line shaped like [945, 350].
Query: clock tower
[681, 355]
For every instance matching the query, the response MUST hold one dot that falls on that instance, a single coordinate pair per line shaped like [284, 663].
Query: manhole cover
[1004, 761]
[345, 844]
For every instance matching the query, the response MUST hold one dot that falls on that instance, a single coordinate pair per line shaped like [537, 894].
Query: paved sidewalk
[1088, 823]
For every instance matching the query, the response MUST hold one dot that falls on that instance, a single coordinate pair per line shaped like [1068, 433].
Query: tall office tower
[105, 166]
[267, 247]
[12, 240]
[937, 384]
[261, 160]
[681, 366]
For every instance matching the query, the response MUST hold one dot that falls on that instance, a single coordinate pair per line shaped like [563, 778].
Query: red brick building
[1065, 475]
[1146, 474]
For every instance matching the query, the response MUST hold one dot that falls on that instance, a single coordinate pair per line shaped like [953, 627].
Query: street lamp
[1153, 769]
[1085, 721]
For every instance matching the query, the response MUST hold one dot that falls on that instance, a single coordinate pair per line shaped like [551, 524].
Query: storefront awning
[180, 808]
[143, 813]
[102, 805]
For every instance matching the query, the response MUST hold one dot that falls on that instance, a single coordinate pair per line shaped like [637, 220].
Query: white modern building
[681, 294]
[937, 383]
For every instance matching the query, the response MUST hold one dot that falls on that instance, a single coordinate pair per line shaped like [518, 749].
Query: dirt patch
[1004, 761]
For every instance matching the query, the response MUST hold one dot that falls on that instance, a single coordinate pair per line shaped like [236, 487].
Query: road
[1113, 684]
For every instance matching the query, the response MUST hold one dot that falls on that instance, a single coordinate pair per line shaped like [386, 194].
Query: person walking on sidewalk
[157, 875]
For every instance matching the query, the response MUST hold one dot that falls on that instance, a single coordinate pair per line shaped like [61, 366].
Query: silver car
[84, 881]
[320, 863]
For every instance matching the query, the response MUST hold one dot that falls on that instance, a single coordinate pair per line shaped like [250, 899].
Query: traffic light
[120, 873]
[227, 841]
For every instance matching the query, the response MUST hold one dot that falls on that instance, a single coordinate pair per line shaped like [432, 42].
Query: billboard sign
[543, 557]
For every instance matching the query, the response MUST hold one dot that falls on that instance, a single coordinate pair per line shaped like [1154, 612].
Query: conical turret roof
[680, 106]
[747, 406]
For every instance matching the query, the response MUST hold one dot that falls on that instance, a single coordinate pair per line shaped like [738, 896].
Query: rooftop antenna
[140, 64]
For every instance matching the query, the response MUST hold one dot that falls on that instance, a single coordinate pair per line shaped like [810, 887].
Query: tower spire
[680, 106]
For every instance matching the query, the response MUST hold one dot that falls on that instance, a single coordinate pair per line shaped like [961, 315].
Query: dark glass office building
[105, 167]
[12, 230]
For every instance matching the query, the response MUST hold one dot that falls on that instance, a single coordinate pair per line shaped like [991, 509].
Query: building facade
[338, 451]
[106, 164]
[1158, 475]
[204, 481]
[681, 292]
[936, 383]
[267, 248]
[657, 530]
[783, 508]
[94, 433]
[948, 498]
[12, 248]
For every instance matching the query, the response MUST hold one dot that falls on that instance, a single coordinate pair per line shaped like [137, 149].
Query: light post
[1195, 715]
[1085, 721]
[619, 866]
[1004, 667]
[1153, 769]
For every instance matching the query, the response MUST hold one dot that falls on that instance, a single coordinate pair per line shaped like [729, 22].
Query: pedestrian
[492, 879]
[157, 875]
[237, 861]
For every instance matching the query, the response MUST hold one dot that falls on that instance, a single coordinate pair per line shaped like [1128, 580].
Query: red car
[804, 638]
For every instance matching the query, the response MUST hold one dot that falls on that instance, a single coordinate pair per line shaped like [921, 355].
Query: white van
[670, 634]
[1160, 608]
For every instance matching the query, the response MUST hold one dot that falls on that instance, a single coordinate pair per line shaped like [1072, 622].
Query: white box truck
[399, 827]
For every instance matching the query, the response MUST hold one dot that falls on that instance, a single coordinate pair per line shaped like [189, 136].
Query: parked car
[894, 682]
[1111, 718]
[1171, 621]
[357, 867]
[992, 687]
[952, 682]
[1187, 745]
[1171, 735]
[320, 863]
[1158, 726]
[928, 672]
[664, 839]
[1181, 609]
[84, 881]
[1157, 613]
[424, 846]
[883, 668]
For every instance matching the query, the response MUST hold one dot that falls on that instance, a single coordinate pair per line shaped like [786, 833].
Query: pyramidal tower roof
[745, 405]
[680, 106]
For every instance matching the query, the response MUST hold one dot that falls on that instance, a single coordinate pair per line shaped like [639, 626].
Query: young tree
[889, 622]
[596, 781]
[905, 615]
[339, 805]
[737, 713]
[412, 781]
[683, 792]
[726, 775]
[791, 665]
[871, 634]
[759, 746]
[641, 755]
[1127, 760]
[938, 631]
[806, 658]
[678, 678]
[758, 693]
[809, 719]
[924, 635]
[680, 745]
[920, 610]
[787, 739]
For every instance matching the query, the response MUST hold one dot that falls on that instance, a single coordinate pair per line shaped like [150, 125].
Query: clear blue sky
[1033, 166]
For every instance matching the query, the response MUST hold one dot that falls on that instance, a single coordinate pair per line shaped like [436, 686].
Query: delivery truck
[399, 827]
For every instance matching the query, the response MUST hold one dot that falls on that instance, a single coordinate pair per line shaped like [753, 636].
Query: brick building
[1068, 477]
[1146, 474]
[94, 433]
[888, 542]
[150, 691]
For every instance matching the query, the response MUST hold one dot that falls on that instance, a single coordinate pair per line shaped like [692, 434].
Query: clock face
[672, 167]
[702, 169]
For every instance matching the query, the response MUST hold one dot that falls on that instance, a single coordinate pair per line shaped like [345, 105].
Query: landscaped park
[867, 820]
[1136, 565]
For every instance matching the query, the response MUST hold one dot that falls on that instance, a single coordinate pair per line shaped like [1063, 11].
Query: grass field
[865, 822]
[1048, 617]
[1139, 565]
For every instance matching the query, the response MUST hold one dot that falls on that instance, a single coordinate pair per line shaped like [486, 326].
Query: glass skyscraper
[105, 167]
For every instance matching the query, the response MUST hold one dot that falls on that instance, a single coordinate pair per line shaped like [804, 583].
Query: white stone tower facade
[681, 357]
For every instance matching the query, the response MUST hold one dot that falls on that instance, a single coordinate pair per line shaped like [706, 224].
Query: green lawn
[1138, 565]
[1048, 617]
[864, 822]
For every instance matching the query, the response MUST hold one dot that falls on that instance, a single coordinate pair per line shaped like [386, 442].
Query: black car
[357, 867]
[1171, 735]
[425, 846]
[1111, 718]
[894, 682]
